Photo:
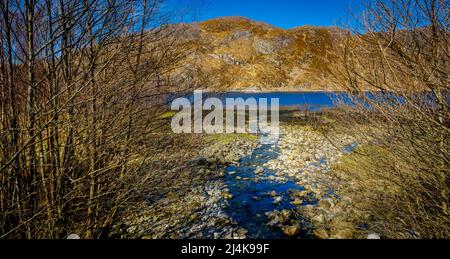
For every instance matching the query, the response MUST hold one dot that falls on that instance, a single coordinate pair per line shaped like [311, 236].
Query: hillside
[240, 54]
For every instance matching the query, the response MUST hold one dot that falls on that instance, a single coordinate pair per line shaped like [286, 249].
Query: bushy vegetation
[400, 174]
[83, 86]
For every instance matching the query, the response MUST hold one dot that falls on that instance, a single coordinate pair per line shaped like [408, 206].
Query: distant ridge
[238, 53]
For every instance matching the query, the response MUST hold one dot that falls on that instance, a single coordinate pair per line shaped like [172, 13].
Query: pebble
[259, 170]
[321, 234]
[297, 202]
[373, 236]
[292, 231]
[277, 199]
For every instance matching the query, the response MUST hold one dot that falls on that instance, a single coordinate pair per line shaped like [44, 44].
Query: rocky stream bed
[256, 191]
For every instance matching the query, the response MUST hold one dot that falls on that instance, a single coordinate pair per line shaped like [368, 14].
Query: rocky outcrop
[238, 53]
[238, 35]
[228, 59]
[263, 46]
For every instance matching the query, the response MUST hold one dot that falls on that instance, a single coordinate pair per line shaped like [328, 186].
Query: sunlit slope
[240, 54]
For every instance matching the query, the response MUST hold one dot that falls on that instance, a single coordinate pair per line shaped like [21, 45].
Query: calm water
[296, 100]
[319, 100]
[312, 100]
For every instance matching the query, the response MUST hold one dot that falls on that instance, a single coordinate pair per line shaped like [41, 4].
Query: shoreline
[282, 91]
[262, 91]
[296, 198]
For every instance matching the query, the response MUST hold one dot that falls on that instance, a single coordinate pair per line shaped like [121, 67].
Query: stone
[297, 202]
[321, 234]
[277, 199]
[263, 47]
[259, 170]
[242, 232]
[279, 174]
[373, 236]
[193, 217]
[285, 214]
[274, 220]
[292, 231]
[302, 194]
[277, 218]
[227, 196]
[73, 236]
[319, 219]
[342, 234]
[326, 204]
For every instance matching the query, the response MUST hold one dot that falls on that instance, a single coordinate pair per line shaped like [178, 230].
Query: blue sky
[281, 13]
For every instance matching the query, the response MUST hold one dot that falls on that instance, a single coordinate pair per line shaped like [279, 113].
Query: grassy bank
[389, 186]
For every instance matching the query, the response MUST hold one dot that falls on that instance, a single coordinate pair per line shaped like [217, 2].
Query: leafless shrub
[395, 65]
[83, 84]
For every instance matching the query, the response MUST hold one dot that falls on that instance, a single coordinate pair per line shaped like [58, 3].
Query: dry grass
[390, 186]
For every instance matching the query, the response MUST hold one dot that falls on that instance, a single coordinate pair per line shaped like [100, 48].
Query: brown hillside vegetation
[240, 54]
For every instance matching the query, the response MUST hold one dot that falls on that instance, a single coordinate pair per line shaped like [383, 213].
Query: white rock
[73, 236]
[277, 199]
[373, 236]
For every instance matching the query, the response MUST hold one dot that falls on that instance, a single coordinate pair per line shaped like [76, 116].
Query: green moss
[364, 157]
[371, 151]
[167, 115]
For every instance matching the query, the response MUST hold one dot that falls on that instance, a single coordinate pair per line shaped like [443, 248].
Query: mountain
[236, 53]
